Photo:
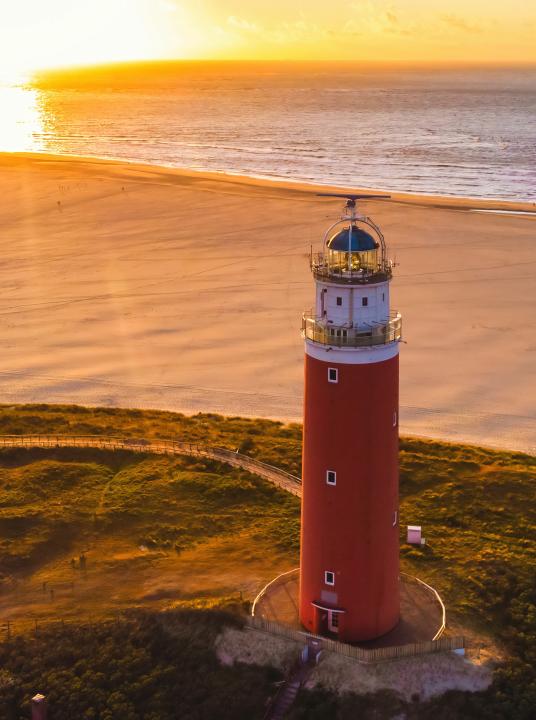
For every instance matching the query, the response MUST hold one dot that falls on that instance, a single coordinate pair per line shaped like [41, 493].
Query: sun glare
[42, 34]
[20, 119]
[37, 34]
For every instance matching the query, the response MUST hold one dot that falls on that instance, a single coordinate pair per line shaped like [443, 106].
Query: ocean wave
[446, 134]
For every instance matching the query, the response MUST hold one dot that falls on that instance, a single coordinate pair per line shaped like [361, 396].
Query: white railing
[320, 331]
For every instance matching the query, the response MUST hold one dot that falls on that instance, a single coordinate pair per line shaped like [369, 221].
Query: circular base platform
[421, 614]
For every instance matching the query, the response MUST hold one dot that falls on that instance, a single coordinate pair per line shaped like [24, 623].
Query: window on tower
[331, 477]
[364, 301]
[333, 375]
[329, 577]
[339, 301]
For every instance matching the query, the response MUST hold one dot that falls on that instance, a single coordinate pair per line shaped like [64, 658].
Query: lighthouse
[349, 565]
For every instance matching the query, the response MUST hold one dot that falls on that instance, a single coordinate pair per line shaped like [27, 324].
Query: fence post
[39, 707]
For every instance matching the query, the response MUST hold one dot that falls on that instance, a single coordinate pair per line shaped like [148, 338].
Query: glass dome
[352, 249]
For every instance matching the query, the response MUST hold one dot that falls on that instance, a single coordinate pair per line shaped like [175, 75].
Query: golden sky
[50, 33]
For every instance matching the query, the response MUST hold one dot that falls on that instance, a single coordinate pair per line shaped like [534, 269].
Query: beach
[141, 286]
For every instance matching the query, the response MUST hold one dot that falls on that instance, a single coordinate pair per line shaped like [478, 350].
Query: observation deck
[324, 332]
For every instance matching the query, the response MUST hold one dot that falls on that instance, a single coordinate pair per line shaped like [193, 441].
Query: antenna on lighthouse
[351, 199]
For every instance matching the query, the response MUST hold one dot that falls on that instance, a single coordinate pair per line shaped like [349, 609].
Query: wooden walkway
[278, 477]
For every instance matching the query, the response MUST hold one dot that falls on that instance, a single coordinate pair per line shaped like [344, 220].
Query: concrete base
[420, 613]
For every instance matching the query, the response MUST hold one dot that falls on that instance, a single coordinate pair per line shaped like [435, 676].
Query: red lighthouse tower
[349, 571]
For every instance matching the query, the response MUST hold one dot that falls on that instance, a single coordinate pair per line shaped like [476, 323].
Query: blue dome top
[361, 240]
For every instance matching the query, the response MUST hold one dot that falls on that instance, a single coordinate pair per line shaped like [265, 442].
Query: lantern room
[353, 251]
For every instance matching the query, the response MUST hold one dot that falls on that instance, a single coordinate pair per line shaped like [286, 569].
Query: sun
[38, 34]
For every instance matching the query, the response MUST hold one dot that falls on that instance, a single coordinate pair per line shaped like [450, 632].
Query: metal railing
[441, 630]
[278, 477]
[338, 272]
[320, 331]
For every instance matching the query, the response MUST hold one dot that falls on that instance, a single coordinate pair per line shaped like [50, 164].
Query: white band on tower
[351, 356]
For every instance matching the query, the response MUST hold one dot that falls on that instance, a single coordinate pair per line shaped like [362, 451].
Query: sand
[141, 286]
[426, 676]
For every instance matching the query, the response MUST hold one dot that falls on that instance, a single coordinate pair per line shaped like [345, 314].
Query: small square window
[333, 375]
[383, 297]
[331, 477]
[339, 301]
[364, 301]
[329, 577]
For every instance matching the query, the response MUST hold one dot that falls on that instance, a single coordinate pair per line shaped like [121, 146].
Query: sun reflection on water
[21, 119]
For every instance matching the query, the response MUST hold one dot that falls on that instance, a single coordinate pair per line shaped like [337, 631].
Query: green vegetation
[52, 500]
[479, 517]
[148, 665]
[476, 507]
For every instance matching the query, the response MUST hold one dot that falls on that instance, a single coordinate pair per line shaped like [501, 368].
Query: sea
[459, 132]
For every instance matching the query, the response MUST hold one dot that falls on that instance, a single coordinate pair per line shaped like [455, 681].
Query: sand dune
[142, 286]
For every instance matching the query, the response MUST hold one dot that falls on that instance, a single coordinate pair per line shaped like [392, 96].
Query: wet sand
[142, 286]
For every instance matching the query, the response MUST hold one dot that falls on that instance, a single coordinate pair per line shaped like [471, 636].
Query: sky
[36, 34]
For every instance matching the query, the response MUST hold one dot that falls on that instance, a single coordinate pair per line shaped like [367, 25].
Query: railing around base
[444, 644]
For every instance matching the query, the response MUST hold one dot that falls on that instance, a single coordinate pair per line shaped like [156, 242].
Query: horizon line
[432, 64]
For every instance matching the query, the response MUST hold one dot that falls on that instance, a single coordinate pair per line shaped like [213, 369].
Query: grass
[181, 532]
[49, 498]
[153, 530]
[478, 514]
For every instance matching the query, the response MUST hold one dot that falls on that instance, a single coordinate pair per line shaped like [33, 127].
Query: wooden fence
[9, 629]
[374, 655]
[34, 626]
[278, 477]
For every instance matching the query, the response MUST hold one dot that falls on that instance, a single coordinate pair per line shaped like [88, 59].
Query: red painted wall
[348, 528]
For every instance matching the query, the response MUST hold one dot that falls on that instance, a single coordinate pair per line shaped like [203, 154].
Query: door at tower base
[349, 532]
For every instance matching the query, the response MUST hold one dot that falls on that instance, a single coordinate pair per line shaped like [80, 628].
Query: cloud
[297, 31]
[371, 17]
[459, 23]
[243, 25]
[350, 27]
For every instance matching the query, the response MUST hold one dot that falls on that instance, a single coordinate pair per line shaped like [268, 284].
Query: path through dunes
[93, 531]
